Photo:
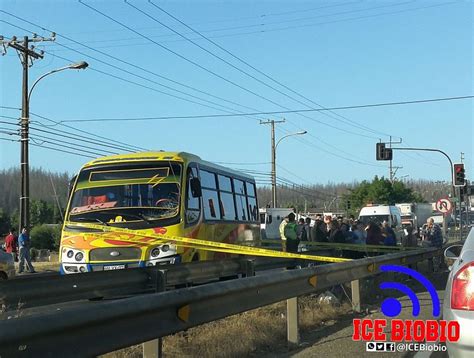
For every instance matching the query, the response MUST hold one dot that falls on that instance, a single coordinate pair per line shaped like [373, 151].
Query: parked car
[7, 266]
[458, 302]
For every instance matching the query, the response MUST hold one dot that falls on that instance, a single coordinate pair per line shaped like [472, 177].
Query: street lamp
[73, 66]
[274, 147]
[25, 120]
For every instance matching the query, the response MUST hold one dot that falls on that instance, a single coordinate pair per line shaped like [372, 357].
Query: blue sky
[334, 53]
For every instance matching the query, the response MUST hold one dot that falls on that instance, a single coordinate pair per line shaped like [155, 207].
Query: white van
[270, 220]
[381, 213]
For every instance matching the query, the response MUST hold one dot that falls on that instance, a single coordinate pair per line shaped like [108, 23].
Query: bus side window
[240, 200]
[193, 204]
[226, 202]
[209, 196]
[252, 201]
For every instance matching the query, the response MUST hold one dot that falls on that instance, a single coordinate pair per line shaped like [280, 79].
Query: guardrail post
[355, 288]
[292, 322]
[154, 348]
[249, 268]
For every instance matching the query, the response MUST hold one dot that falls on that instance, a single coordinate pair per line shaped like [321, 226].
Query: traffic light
[459, 175]
[348, 205]
[383, 153]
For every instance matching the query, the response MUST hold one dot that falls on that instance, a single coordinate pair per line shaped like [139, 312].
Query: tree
[41, 212]
[44, 237]
[380, 191]
[5, 223]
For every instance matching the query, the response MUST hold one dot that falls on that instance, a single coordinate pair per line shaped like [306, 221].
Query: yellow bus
[155, 192]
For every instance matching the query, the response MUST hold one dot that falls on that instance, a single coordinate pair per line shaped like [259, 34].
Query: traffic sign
[444, 205]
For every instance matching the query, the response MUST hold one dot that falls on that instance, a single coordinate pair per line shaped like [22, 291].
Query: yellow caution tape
[355, 247]
[204, 244]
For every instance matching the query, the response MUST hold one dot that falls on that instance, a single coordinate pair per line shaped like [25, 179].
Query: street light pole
[274, 187]
[25, 120]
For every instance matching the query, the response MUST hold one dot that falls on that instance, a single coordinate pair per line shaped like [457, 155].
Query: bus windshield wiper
[91, 219]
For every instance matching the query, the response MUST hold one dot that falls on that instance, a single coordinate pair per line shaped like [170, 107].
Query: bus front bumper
[69, 268]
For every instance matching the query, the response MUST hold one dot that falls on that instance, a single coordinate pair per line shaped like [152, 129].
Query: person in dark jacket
[432, 235]
[374, 234]
[335, 233]
[291, 236]
[390, 238]
[320, 232]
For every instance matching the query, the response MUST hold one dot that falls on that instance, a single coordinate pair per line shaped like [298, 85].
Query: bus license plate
[114, 267]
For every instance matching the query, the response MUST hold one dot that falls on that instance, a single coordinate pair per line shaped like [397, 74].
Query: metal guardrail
[99, 327]
[46, 290]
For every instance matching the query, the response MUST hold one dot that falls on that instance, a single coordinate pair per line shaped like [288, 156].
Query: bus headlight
[79, 256]
[165, 248]
[155, 252]
[70, 254]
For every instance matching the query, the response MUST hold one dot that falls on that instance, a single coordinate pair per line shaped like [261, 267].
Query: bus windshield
[116, 194]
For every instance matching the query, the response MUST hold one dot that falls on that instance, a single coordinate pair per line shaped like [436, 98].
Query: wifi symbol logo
[391, 307]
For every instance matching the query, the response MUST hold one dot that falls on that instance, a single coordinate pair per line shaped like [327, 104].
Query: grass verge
[253, 333]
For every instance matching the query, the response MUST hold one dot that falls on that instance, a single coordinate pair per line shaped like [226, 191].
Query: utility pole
[460, 204]
[391, 172]
[273, 150]
[27, 55]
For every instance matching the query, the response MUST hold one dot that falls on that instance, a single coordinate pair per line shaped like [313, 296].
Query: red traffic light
[459, 175]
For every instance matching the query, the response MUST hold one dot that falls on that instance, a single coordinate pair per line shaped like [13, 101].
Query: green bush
[44, 237]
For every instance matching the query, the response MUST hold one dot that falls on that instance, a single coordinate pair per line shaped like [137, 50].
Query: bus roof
[161, 156]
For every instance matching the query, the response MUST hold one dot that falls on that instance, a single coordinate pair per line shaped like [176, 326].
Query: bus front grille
[115, 254]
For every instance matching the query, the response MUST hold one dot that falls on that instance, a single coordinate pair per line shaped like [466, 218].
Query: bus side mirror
[196, 188]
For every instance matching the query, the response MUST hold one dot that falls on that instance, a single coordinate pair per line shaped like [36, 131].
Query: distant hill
[312, 196]
[41, 187]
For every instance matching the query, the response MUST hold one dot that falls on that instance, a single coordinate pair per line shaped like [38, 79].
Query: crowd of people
[351, 231]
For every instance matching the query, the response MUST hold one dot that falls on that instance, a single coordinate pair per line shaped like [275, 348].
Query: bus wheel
[195, 258]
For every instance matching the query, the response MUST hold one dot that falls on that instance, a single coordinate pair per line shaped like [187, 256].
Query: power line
[263, 73]
[233, 19]
[41, 141]
[242, 163]
[131, 73]
[108, 141]
[197, 64]
[127, 63]
[326, 124]
[179, 55]
[263, 31]
[75, 145]
[91, 140]
[9, 140]
[232, 65]
[61, 150]
[61, 134]
[385, 104]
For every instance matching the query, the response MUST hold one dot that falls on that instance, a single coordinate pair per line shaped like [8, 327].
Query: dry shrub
[235, 336]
